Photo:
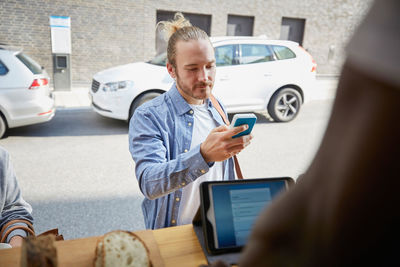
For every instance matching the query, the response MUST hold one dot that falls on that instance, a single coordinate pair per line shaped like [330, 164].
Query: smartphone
[240, 119]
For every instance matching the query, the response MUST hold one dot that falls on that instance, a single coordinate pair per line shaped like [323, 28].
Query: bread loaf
[121, 248]
[39, 252]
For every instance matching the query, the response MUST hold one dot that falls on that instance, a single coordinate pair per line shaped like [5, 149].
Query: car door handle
[224, 78]
[267, 74]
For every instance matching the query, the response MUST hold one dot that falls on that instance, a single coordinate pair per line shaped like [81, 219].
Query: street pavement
[78, 175]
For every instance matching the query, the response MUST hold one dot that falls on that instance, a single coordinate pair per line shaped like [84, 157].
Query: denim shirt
[160, 134]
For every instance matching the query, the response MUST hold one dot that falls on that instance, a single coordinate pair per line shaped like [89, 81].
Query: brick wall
[106, 33]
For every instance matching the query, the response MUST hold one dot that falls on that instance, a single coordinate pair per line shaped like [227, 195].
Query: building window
[292, 29]
[198, 20]
[240, 26]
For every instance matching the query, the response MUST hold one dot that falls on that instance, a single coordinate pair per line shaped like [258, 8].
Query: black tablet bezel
[205, 205]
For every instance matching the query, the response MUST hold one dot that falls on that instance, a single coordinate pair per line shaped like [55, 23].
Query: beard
[199, 91]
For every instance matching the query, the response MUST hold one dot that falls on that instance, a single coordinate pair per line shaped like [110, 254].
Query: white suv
[253, 74]
[25, 96]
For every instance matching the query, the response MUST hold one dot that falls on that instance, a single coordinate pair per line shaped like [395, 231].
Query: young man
[179, 139]
[15, 214]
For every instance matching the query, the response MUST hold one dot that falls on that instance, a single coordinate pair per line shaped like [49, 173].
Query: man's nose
[203, 74]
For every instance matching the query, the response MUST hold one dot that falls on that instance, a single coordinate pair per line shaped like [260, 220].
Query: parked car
[253, 74]
[25, 96]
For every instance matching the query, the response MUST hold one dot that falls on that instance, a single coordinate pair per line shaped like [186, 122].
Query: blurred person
[179, 139]
[15, 213]
[343, 210]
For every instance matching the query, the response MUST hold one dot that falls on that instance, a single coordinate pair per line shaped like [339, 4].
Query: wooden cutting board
[81, 252]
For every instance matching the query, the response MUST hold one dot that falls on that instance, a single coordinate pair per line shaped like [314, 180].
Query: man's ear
[171, 70]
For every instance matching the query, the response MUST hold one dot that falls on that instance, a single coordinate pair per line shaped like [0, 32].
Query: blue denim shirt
[160, 134]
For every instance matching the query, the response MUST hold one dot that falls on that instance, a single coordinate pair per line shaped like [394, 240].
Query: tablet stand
[230, 258]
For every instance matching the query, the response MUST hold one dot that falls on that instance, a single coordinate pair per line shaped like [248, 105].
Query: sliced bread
[121, 248]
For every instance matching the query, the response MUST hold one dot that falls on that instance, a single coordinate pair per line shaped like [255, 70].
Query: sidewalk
[78, 96]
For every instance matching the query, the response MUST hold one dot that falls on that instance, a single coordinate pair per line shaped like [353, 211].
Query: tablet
[229, 209]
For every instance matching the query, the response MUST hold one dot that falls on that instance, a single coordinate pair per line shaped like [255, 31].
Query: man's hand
[219, 144]
[16, 241]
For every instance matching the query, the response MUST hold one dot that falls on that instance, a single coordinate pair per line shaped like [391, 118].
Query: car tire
[3, 126]
[285, 105]
[141, 100]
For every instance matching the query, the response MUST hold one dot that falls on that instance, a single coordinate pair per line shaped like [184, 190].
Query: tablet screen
[234, 207]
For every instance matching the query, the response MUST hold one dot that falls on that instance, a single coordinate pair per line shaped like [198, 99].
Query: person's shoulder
[3, 154]
[153, 105]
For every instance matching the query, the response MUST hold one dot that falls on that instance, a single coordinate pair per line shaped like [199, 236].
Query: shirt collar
[183, 107]
[178, 101]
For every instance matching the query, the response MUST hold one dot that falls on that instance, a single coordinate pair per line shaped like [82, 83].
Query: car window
[30, 63]
[255, 53]
[224, 55]
[283, 52]
[3, 69]
[160, 60]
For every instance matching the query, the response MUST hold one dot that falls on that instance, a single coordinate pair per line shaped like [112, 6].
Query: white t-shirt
[190, 200]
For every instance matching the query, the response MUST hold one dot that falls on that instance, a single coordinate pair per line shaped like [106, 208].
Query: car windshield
[30, 63]
[160, 60]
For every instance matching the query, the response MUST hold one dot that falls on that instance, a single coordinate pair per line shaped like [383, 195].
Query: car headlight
[114, 86]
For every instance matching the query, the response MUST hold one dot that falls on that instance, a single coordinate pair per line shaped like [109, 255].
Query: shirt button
[186, 150]
[190, 124]
[177, 199]
[183, 183]
[191, 112]
[173, 221]
[202, 171]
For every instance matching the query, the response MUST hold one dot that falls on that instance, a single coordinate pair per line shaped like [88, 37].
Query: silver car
[25, 95]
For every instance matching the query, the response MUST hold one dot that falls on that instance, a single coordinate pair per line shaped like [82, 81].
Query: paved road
[77, 173]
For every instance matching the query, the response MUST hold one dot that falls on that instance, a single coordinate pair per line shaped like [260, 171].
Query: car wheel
[3, 126]
[284, 105]
[141, 100]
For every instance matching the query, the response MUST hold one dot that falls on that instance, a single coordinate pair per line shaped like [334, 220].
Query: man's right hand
[219, 144]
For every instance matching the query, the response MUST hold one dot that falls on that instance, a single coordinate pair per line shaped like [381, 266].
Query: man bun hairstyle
[179, 29]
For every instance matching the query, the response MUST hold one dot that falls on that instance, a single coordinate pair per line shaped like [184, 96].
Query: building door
[198, 20]
[293, 29]
[240, 26]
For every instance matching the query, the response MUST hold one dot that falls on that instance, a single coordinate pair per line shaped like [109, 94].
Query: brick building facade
[114, 32]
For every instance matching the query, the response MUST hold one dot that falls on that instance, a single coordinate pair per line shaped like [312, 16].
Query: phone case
[240, 119]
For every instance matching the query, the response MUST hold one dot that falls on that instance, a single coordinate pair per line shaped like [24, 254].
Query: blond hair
[179, 29]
